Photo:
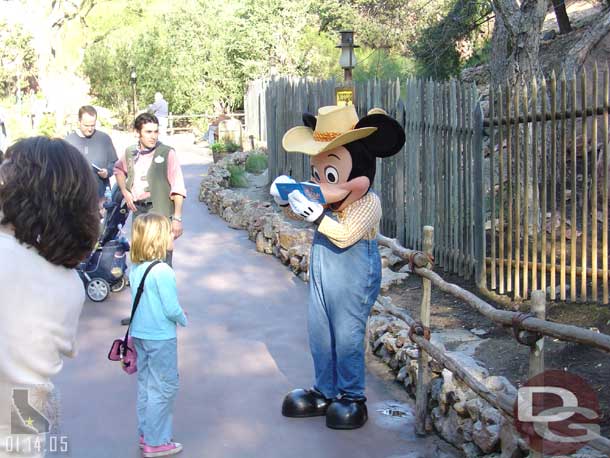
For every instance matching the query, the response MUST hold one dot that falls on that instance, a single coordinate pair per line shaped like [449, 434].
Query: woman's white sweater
[40, 305]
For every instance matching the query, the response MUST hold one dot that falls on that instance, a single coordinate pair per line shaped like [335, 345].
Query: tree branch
[579, 52]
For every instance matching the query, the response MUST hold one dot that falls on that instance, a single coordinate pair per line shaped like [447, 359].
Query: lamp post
[347, 61]
[134, 78]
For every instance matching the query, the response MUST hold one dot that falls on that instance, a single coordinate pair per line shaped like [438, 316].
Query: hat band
[325, 136]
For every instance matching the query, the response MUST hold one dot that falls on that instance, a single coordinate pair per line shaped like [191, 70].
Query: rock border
[456, 412]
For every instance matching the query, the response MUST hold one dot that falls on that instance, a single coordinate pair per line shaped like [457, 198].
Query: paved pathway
[245, 347]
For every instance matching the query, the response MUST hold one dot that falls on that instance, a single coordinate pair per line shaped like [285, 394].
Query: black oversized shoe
[347, 413]
[305, 403]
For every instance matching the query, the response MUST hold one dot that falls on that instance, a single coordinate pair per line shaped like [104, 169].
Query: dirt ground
[501, 353]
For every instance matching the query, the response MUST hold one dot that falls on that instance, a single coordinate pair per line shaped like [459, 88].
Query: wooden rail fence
[537, 326]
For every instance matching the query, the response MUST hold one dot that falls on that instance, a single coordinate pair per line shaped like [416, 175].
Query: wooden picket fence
[255, 109]
[549, 173]
[489, 205]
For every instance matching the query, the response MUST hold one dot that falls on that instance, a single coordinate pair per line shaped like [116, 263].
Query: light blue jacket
[159, 309]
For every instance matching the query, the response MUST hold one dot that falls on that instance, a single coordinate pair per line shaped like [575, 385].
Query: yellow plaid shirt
[358, 221]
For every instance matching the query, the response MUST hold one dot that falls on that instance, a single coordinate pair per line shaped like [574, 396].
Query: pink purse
[125, 353]
[123, 349]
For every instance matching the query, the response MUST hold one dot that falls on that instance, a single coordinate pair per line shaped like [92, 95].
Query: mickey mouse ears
[337, 126]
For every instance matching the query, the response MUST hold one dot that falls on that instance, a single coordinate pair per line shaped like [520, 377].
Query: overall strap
[136, 301]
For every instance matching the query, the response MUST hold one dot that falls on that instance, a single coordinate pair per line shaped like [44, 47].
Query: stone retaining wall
[457, 413]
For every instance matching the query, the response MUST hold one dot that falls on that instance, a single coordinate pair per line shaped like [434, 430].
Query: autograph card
[310, 190]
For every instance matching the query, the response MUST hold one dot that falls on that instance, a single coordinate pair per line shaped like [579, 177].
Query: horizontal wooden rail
[563, 332]
[419, 258]
[600, 272]
[190, 116]
[547, 117]
[230, 115]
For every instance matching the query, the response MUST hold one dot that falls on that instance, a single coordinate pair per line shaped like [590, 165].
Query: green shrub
[256, 163]
[218, 148]
[231, 146]
[238, 177]
[47, 126]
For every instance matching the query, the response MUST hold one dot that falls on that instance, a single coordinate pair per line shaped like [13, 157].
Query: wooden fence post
[536, 359]
[170, 130]
[479, 199]
[423, 368]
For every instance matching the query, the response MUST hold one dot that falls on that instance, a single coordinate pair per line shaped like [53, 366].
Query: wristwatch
[176, 218]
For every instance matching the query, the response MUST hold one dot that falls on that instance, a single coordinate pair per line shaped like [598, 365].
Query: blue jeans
[157, 388]
[343, 286]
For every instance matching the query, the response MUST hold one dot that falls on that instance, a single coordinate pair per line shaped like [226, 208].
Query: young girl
[153, 330]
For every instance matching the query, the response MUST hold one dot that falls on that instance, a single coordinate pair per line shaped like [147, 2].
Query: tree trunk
[562, 16]
[516, 40]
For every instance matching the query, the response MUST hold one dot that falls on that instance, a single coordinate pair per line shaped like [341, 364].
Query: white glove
[275, 193]
[301, 205]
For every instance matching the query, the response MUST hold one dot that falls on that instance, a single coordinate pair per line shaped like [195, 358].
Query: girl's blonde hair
[151, 234]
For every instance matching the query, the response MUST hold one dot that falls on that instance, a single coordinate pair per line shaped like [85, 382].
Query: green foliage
[231, 146]
[238, 176]
[17, 60]
[47, 126]
[256, 163]
[218, 148]
[200, 54]
[481, 55]
[182, 55]
[382, 64]
[436, 49]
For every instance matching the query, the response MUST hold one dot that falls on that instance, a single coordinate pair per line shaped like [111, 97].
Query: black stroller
[106, 267]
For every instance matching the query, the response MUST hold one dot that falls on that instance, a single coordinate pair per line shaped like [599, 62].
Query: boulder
[290, 236]
[486, 431]
[471, 450]
[501, 385]
[388, 258]
[295, 264]
[451, 427]
[436, 385]
[402, 374]
[260, 242]
[390, 278]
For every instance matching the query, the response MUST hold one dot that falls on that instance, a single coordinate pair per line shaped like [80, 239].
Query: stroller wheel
[118, 286]
[97, 289]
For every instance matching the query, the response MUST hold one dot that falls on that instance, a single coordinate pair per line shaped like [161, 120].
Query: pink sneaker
[151, 451]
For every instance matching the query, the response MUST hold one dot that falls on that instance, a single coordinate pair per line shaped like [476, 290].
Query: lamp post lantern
[347, 61]
[134, 78]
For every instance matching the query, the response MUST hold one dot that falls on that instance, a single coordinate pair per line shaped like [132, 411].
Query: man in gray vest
[96, 146]
[150, 177]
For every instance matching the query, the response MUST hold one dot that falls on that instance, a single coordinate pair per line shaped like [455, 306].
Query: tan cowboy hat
[334, 126]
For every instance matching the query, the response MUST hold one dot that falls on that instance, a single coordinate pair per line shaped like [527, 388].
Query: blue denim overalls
[343, 286]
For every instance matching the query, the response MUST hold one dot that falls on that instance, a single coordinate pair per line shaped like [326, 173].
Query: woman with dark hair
[48, 223]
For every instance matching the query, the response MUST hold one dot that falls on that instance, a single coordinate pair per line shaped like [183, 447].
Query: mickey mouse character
[344, 266]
